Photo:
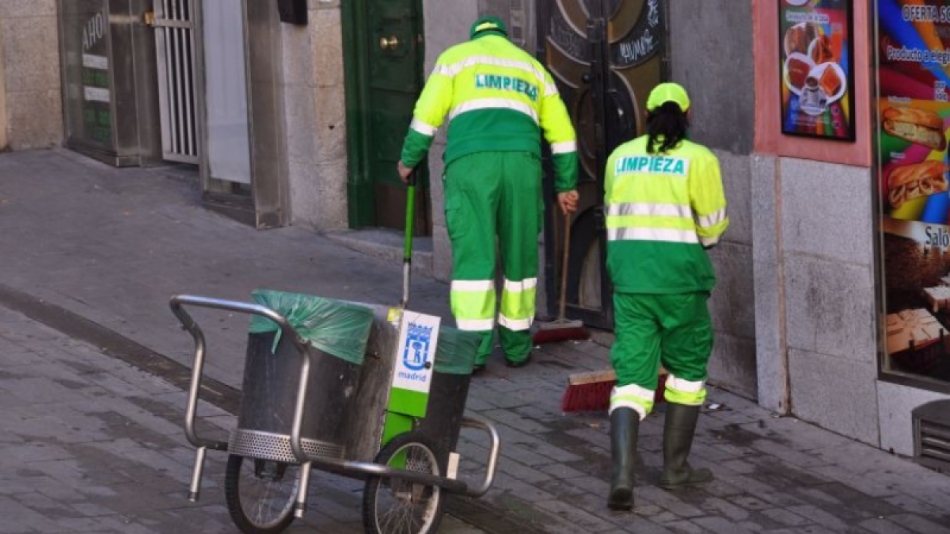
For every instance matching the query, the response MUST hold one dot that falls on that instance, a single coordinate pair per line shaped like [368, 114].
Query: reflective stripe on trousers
[474, 310]
[680, 391]
[517, 304]
[638, 398]
[473, 304]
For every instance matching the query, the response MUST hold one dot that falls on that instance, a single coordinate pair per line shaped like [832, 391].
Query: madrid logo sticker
[418, 337]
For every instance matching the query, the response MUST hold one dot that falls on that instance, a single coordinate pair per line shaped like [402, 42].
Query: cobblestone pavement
[110, 246]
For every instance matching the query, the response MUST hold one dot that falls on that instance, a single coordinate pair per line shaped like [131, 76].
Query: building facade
[295, 113]
[31, 113]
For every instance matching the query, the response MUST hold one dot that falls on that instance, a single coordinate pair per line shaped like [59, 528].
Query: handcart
[322, 393]
[335, 424]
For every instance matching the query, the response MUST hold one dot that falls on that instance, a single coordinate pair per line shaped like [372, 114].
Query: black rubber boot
[624, 425]
[678, 430]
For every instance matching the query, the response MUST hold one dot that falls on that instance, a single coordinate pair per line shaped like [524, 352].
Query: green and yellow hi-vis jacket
[662, 211]
[497, 98]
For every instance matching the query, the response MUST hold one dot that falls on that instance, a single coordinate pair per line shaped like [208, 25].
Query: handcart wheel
[260, 494]
[392, 505]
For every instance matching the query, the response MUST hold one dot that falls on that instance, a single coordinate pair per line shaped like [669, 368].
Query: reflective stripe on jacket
[496, 98]
[662, 210]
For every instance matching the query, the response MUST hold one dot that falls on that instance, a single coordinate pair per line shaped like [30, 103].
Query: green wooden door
[384, 57]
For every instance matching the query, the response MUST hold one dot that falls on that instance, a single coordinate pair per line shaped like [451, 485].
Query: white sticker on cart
[418, 335]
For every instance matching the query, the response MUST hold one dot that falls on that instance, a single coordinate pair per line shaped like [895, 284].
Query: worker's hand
[568, 201]
[403, 171]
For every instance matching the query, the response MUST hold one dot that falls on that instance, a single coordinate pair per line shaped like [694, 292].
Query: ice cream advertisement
[816, 80]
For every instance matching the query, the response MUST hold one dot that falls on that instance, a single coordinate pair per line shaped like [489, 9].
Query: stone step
[387, 245]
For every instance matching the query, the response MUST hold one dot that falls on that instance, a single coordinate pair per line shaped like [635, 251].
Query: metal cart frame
[307, 461]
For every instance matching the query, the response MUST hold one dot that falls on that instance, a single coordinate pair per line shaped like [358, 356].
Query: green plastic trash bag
[335, 327]
[455, 353]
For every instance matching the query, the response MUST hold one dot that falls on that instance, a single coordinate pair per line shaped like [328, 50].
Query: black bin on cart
[452, 373]
[336, 333]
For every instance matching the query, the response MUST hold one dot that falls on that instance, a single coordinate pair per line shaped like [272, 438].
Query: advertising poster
[913, 117]
[816, 68]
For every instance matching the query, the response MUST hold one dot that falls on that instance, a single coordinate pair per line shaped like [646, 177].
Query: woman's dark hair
[666, 126]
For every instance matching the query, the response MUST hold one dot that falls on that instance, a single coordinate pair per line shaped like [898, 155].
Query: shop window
[913, 114]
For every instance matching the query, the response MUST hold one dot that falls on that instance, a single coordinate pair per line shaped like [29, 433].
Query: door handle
[149, 19]
[389, 43]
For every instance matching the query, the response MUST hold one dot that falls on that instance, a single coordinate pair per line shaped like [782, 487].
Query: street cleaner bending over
[498, 100]
[665, 207]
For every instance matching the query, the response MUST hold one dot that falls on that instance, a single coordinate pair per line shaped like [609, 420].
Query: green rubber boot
[624, 425]
[678, 430]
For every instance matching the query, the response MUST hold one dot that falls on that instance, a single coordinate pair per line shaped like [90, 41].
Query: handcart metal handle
[177, 304]
[477, 421]
[369, 468]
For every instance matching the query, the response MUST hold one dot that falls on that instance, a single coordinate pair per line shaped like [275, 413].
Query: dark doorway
[606, 56]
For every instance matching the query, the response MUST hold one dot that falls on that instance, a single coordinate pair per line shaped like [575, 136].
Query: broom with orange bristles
[562, 328]
[590, 391]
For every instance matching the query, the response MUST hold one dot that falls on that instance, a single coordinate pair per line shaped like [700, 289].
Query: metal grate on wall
[931, 424]
[175, 46]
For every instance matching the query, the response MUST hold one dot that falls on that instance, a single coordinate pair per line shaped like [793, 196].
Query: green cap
[668, 92]
[486, 24]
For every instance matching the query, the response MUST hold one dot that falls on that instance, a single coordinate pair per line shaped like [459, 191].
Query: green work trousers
[672, 329]
[493, 196]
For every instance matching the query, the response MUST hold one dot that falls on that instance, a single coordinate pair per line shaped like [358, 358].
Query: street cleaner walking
[498, 101]
[665, 207]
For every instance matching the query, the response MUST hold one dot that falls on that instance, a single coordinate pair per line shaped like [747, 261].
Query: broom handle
[557, 233]
[407, 248]
[567, 252]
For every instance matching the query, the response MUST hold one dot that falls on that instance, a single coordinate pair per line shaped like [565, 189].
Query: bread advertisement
[816, 57]
[911, 118]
